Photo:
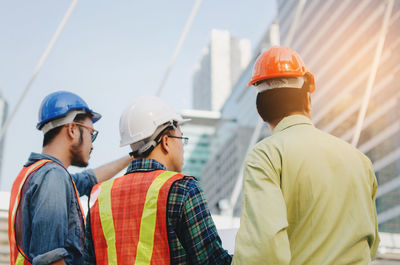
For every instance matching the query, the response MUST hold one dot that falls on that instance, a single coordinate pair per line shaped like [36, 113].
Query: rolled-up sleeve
[49, 210]
[50, 257]
[84, 181]
[262, 237]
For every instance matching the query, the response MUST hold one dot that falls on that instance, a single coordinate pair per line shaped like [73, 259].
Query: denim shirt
[49, 223]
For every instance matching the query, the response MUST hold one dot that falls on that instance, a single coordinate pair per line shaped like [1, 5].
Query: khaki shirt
[309, 198]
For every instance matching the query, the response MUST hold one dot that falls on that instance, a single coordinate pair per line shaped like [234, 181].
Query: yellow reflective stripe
[148, 222]
[107, 222]
[20, 260]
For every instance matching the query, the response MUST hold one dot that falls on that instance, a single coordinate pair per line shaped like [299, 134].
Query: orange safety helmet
[280, 62]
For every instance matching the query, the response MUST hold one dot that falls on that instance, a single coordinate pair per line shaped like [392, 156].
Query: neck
[58, 152]
[274, 123]
[159, 158]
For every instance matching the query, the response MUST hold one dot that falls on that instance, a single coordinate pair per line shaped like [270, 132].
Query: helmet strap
[147, 148]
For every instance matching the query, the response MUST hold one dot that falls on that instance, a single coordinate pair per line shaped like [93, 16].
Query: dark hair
[50, 135]
[278, 103]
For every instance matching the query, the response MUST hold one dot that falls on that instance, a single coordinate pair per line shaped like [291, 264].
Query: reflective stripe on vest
[21, 260]
[17, 256]
[126, 228]
[107, 222]
[148, 224]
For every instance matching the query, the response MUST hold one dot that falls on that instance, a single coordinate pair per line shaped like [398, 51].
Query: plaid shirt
[192, 236]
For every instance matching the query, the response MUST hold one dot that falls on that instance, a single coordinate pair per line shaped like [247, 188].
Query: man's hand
[59, 262]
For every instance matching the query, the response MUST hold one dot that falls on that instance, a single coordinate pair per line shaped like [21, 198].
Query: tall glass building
[231, 140]
[352, 47]
[199, 131]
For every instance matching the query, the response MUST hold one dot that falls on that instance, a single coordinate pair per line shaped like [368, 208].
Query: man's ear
[165, 148]
[71, 130]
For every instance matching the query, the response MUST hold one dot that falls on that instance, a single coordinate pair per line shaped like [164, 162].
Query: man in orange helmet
[309, 197]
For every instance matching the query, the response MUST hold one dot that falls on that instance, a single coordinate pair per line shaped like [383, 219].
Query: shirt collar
[34, 157]
[290, 121]
[145, 164]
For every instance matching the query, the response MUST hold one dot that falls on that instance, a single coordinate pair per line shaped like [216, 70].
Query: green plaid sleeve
[195, 228]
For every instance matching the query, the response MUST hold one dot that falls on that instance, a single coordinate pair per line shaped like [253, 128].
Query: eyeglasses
[93, 132]
[185, 140]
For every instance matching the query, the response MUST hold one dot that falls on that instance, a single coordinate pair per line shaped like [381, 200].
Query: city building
[199, 131]
[231, 140]
[352, 48]
[3, 116]
[221, 63]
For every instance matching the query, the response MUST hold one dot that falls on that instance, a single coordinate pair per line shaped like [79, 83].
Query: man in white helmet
[153, 214]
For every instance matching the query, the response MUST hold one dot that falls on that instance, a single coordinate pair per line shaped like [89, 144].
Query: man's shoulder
[341, 146]
[268, 147]
[338, 142]
[54, 168]
[49, 180]
[186, 186]
[185, 191]
[186, 182]
[52, 172]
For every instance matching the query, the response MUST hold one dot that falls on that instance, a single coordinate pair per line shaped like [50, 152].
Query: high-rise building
[352, 48]
[232, 137]
[221, 63]
[3, 116]
[199, 131]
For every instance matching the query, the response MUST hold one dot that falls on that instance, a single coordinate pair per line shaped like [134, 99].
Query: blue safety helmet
[58, 104]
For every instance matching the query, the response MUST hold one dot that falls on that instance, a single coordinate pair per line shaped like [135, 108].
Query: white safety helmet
[143, 120]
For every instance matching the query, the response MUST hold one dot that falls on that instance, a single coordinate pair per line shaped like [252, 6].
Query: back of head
[144, 121]
[275, 104]
[60, 108]
[283, 83]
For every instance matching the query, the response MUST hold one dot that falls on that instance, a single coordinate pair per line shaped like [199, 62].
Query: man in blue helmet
[46, 221]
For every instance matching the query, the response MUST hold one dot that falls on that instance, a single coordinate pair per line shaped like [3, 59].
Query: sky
[109, 53]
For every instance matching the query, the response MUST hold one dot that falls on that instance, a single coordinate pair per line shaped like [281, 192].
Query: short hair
[278, 103]
[50, 135]
[157, 139]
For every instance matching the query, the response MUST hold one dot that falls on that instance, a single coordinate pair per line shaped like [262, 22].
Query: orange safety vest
[128, 218]
[17, 255]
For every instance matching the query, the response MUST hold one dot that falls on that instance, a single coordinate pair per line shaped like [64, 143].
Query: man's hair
[50, 135]
[275, 104]
[157, 139]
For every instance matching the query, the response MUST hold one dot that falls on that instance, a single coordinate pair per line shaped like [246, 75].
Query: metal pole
[180, 43]
[374, 69]
[38, 67]
[295, 22]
